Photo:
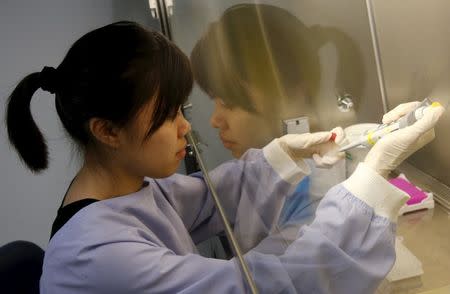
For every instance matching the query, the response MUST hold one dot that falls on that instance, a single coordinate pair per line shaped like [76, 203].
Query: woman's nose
[216, 120]
[185, 126]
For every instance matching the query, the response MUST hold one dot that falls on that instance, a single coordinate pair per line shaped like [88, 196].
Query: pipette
[369, 138]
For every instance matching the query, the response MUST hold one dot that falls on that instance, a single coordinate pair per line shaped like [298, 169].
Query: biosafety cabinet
[333, 63]
[263, 69]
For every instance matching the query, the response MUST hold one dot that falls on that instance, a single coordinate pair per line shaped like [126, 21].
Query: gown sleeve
[251, 189]
[348, 248]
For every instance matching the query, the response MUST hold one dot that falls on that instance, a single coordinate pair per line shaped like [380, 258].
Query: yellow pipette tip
[435, 104]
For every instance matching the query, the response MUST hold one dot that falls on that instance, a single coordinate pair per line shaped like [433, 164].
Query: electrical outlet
[298, 125]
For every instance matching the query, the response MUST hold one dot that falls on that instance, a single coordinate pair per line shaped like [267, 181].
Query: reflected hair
[256, 49]
[109, 73]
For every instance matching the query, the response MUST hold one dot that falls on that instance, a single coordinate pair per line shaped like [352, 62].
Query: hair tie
[48, 77]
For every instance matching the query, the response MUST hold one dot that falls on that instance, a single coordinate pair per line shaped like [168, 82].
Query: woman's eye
[176, 114]
[224, 104]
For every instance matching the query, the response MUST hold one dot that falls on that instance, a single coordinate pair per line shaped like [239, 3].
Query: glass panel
[264, 70]
[415, 63]
[415, 54]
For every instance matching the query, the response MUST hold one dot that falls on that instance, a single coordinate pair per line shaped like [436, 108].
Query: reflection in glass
[261, 65]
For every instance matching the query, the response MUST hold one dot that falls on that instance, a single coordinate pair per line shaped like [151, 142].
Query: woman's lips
[181, 154]
[226, 143]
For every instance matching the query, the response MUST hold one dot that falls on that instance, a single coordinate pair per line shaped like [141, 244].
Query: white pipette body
[372, 136]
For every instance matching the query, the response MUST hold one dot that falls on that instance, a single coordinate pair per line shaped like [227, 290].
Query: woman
[128, 224]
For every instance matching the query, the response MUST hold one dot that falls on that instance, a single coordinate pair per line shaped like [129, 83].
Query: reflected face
[159, 155]
[239, 129]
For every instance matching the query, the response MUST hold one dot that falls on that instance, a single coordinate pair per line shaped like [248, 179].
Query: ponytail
[23, 132]
[110, 73]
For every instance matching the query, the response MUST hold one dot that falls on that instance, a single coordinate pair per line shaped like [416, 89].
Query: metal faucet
[345, 102]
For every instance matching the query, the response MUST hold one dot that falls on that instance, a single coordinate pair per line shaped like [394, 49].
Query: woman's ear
[105, 132]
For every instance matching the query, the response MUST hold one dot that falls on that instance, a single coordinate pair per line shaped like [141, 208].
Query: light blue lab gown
[299, 207]
[145, 242]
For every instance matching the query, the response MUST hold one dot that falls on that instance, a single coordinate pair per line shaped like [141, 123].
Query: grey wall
[34, 34]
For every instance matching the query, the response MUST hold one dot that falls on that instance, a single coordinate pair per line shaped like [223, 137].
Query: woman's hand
[395, 147]
[321, 146]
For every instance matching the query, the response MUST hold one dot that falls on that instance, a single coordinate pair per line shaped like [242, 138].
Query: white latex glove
[395, 147]
[316, 145]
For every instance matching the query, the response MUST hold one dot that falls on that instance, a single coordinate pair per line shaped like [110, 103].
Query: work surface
[427, 235]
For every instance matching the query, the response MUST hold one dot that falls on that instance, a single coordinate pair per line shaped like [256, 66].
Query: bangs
[214, 72]
[175, 82]
[257, 55]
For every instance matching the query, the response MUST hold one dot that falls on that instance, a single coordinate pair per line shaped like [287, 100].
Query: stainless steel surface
[426, 234]
[164, 18]
[187, 106]
[153, 5]
[228, 230]
[376, 51]
[414, 39]
[344, 47]
[345, 102]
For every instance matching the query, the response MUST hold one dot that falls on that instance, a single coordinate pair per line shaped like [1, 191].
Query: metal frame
[376, 52]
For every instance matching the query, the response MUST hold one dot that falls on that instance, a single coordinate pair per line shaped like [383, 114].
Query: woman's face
[159, 155]
[239, 129]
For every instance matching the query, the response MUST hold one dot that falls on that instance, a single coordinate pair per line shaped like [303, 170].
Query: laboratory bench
[426, 234]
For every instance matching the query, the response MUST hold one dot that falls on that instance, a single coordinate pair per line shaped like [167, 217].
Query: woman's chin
[237, 153]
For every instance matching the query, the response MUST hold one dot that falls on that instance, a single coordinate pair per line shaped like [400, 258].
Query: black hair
[109, 73]
[256, 47]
